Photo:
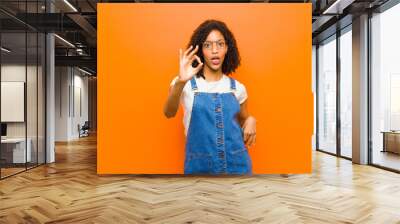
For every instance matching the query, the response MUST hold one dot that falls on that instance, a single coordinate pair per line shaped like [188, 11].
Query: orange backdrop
[138, 56]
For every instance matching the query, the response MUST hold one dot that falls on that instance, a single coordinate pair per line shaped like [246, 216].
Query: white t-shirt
[221, 86]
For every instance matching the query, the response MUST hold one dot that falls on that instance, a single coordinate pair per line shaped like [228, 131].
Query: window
[327, 95]
[346, 93]
[22, 78]
[385, 88]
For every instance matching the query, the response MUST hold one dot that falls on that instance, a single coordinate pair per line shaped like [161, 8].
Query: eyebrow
[211, 40]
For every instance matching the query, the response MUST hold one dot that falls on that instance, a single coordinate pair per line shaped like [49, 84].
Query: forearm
[244, 113]
[172, 104]
[249, 129]
[243, 119]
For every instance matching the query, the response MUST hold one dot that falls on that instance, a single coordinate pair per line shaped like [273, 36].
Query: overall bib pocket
[198, 162]
[240, 161]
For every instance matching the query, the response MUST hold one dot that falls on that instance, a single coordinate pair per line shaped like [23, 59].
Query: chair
[84, 130]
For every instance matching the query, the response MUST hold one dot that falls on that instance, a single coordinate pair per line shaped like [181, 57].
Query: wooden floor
[69, 191]
[5, 172]
[386, 159]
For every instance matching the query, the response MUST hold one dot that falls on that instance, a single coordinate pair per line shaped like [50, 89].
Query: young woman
[217, 124]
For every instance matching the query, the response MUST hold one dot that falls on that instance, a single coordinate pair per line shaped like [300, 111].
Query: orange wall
[138, 53]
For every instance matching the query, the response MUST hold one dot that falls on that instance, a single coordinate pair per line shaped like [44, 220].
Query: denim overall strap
[193, 83]
[233, 84]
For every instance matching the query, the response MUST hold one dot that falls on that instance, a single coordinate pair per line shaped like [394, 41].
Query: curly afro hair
[232, 57]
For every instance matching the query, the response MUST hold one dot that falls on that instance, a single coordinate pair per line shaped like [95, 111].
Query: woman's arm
[248, 124]
[172, 104]
[186, 72]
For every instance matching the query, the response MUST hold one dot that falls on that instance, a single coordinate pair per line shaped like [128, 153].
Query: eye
[206, 45]
[221, 44]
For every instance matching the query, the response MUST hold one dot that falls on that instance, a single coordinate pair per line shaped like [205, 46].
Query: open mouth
[215, 60]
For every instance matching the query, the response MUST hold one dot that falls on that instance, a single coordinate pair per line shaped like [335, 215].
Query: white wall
[13, 101]
[12, 73]
[314, 75]
[61, 103]
[81, 84]
[71, 93]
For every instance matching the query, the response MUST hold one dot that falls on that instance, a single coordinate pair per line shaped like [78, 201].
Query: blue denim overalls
[214, 143]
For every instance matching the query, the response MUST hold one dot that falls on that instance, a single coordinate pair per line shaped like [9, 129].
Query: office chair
[84, 130]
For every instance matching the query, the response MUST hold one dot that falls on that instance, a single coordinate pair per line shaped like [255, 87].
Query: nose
[214, 48]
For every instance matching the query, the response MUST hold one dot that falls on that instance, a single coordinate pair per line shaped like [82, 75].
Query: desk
[391, 141]
[13, 150]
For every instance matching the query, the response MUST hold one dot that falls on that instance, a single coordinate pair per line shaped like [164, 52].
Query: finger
[198, 67]
[190, 55]
[187, 50]
[197, 58]
[246, 137]
[191, 59]
[251, 140]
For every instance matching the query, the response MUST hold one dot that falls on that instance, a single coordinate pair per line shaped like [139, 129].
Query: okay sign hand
[186, 70]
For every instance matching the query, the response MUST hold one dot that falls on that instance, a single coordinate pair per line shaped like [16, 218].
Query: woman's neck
[211, 75]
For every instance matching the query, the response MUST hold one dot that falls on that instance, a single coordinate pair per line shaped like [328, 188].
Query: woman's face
[214, 50]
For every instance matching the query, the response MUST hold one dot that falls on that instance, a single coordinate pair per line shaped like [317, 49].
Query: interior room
[50, 132]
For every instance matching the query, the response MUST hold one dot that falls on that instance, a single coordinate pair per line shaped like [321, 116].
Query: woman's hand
[249, 131]
[186, 70]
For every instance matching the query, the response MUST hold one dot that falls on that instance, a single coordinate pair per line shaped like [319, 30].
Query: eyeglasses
[209, 44]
